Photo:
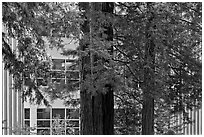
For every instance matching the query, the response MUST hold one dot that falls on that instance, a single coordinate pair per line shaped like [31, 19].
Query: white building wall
[11, 108]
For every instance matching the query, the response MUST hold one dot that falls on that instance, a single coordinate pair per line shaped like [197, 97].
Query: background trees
[164, 25]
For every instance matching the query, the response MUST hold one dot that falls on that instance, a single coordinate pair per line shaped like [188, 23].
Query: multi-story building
[47, 119]
[20, 117]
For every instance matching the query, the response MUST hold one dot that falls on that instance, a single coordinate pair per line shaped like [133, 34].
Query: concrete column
[19, 115]
[191, 128]
[5, 118]
[22, 116]
[10, 105]
[14, 95]
[200, 123]
[14, 110]
[33, 116]
[5, 102]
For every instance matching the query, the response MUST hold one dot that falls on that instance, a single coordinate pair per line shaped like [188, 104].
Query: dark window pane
[70, 60]
[58, 81]
[72, 65]
[69, 131]
[58, 131]
[58, 127]
[56, 122]
[58, 113]
[72, 113]
[27, 123]
[68, 65]
[72, 131]
[76, 131]
[43, 131]
[27, 113]
[57, 74]
[72, 123]
[43, 113]
[58, 64]
[43, 123]
[72, 75]
[72, 84]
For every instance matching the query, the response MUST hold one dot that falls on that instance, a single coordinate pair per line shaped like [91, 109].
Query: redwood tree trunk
[148, 85]
[97, 112]
[148, 100]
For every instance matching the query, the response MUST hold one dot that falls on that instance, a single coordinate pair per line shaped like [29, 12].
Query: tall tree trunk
[148, 87]
[97, 112]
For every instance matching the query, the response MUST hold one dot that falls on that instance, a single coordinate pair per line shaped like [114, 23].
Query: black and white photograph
[101, 68]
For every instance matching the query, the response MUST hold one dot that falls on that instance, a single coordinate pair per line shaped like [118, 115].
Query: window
[58, 64]
[72, 75]
[43, 113]
[27, 113]
[58, 113]
[57, 121]
[72, 113]
[57, 74]
[43, 123]
[72, 131]
[60, 120]
[43, 131]
[27, 123]
[73, 123]
[58, 127]
[71, 64]
[27, 117]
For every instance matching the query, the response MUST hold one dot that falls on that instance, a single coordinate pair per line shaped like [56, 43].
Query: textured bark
[148, 87]
[148, 100]
[97, 112]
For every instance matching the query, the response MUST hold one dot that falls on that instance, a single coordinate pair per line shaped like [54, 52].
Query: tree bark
[148, 87]
[97, 112]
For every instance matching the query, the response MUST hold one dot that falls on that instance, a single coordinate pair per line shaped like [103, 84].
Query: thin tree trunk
[97, 112]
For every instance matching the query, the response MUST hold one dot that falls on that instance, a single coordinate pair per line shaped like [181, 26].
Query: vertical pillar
[200, 121]
[14, 110]
[197, 116]
[187, 129]
[22, 116]
[14, 97]
[33, 116]
[19, 121]
[180, 123]
[195, 121]
[5, 119]
[5, 102]
[191, 117]
[10, 42]
[10, 105]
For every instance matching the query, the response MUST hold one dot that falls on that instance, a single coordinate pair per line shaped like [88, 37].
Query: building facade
[59, 118]
[12, 104]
